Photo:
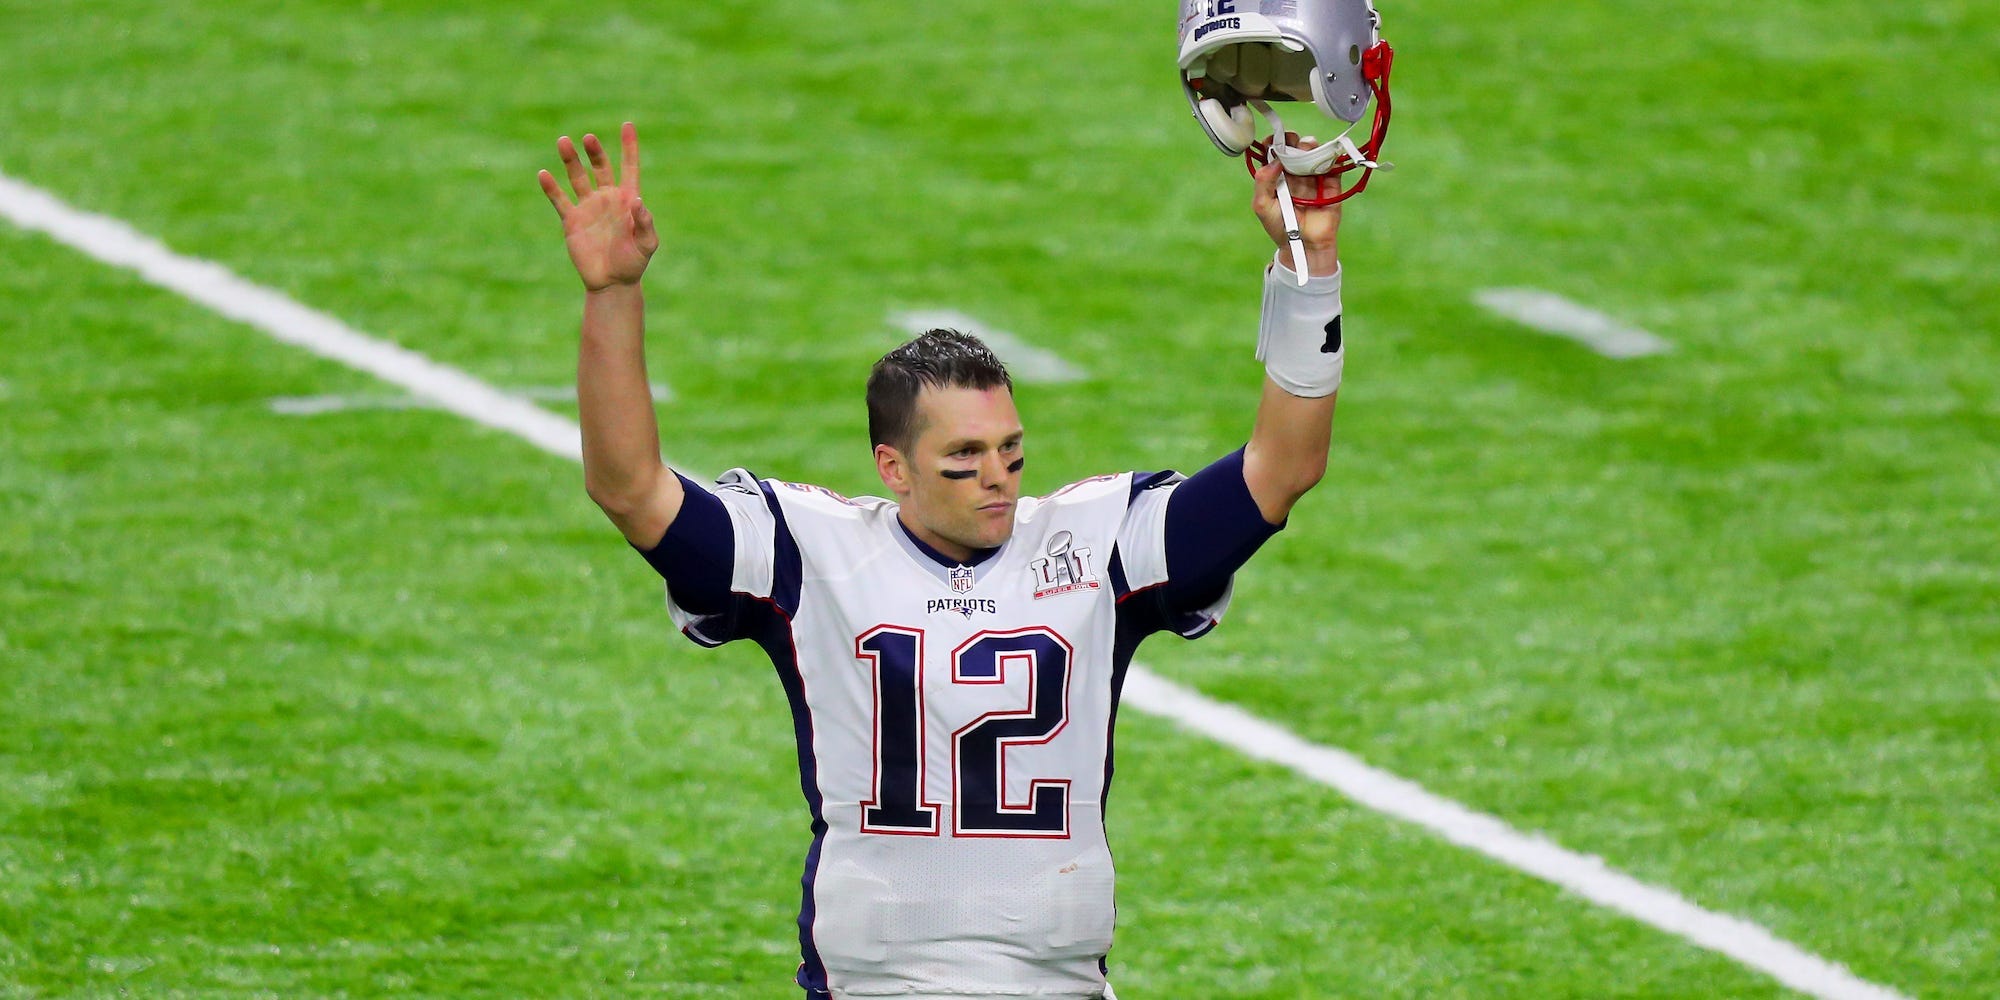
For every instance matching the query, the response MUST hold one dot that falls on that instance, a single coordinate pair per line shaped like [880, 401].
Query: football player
[952, 654]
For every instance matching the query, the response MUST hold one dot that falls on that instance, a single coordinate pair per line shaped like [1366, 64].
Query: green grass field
[375, 703]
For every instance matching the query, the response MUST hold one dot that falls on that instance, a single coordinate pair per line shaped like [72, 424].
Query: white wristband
[1299, 339]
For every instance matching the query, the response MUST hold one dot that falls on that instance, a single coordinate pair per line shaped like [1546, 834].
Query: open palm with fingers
[609, 232]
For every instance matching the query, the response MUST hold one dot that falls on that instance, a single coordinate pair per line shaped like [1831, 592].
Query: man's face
[961, 476]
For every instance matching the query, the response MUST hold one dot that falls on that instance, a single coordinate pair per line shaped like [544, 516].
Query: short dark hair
[941, 359]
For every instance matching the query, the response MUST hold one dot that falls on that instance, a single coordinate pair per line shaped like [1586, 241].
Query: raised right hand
[1319, 228]
[608, 231]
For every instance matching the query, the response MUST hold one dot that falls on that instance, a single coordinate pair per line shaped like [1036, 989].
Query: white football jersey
[954, 726]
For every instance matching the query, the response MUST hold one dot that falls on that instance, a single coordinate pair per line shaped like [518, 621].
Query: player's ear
[894, 471]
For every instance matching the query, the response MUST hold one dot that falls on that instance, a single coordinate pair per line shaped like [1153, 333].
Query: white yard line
[1583, 874]
[283, 319]
[1025, 362]
[1552, 314]
[312, 406]
[271, 312]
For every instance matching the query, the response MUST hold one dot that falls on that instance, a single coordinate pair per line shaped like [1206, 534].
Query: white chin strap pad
[1317, 160]
[1307, 162]
[1299, 339]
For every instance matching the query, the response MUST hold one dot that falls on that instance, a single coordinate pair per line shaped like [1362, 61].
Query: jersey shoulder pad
[744, 481]
[821, 497]
[808, 502]
[796, 498]
[1086, 491]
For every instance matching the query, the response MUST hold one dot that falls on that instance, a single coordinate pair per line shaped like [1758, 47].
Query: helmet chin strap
[1319, 159]
[1291, 215]
[1285, 206]
[1306, 163]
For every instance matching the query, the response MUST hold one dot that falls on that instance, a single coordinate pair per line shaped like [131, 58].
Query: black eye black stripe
[1016, 466]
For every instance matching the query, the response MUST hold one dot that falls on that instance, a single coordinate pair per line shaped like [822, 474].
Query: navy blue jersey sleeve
[1182, 541]
[698, 553]
[1213, 527]
[727, 554]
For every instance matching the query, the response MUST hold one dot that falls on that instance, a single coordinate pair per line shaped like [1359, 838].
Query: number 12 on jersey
[979, 748]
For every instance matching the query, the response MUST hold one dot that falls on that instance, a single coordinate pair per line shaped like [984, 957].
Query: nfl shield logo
[961, 579]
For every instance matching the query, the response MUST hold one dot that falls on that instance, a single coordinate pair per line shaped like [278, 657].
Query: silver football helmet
[1236, 55]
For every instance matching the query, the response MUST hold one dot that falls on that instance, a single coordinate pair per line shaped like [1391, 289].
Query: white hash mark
[1552, 314]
